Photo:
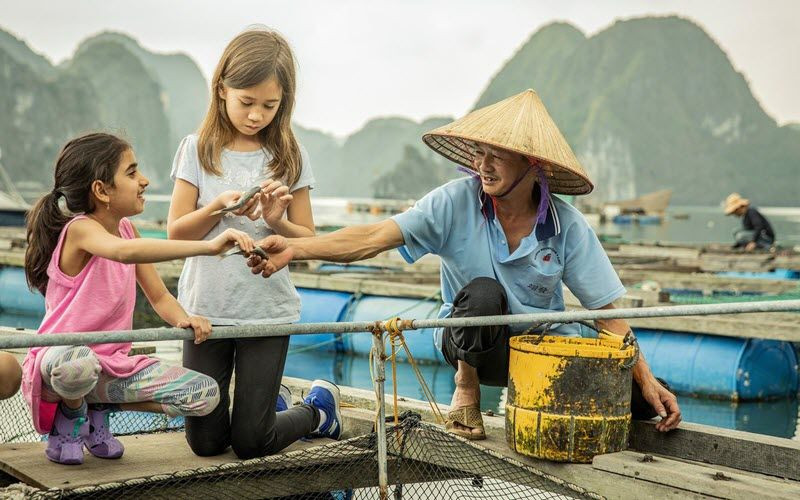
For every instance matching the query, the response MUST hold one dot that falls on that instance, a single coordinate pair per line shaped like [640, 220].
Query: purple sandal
[65, 442]
[99, 440]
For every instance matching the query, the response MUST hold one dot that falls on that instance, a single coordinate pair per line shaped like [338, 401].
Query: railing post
[379, 360]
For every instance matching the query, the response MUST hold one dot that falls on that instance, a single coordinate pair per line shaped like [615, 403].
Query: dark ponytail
[81, 161]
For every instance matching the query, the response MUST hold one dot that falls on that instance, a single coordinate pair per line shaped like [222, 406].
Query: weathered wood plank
[145, 455]
[787, 261]
[659, 251]
[757, 325]
[713, 445]
[307, 280]
[739, 262]
[694, 477]
[699, 281]
[570, 300]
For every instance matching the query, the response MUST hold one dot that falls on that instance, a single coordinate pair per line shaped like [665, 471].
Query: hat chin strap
[544, 192]
[514, 185]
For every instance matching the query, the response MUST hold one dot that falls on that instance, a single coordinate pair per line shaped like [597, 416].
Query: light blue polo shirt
[448, 222]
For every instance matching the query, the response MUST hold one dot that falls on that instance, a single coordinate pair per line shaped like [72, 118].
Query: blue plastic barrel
[16, 297]
[420, 342]
[21, 321]
[776, 274]
[648, 219]
[721, 367]
[622, 219]
[321, 306]
[353, 371]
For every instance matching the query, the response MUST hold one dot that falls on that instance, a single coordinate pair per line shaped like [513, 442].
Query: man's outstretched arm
[348, 244]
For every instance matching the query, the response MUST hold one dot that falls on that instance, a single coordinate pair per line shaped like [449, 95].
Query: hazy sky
[414, 58]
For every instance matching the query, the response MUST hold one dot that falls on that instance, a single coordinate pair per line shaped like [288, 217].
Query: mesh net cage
[16, 425]
[423, 462]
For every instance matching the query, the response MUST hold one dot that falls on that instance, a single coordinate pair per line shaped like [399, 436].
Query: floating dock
[691, 462]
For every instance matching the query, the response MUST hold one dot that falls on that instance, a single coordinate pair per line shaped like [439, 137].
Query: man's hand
[279, 256]
[750, 246]
[663, 402]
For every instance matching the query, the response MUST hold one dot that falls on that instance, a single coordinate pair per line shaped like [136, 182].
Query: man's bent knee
[480, 297]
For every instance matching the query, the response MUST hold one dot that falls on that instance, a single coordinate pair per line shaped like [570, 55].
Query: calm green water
[706, 225]
[703, 225]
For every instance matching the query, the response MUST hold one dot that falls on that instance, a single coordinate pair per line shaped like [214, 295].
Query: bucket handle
[627, 341]
[541, 334]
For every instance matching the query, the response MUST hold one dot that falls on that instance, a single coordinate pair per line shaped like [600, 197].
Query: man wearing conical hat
[505, 245]
[756, 232]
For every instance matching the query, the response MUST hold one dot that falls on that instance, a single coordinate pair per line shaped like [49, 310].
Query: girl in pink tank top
[87, 261]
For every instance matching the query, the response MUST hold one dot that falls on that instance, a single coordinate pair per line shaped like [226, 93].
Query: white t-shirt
[224, 290]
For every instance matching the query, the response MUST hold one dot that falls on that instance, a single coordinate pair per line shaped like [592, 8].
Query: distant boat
[646, 209]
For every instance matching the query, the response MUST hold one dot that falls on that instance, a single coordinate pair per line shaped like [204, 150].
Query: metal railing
[18, 340]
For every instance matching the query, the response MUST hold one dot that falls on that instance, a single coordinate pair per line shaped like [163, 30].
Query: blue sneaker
[324, 396]
[284, 399]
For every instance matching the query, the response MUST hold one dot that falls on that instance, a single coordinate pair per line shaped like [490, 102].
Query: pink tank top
[100, 298]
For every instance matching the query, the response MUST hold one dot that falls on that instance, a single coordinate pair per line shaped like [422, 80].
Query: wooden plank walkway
[145, 455]
[674, 467]
[696, 478]
[746, 451]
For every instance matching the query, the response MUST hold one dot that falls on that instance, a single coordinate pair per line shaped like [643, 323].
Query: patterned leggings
[73, 372]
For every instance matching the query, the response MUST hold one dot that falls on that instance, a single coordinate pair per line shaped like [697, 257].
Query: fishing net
[424, 462]
[16, 425]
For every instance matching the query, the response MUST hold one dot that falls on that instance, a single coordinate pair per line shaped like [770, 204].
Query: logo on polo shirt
[547, 254]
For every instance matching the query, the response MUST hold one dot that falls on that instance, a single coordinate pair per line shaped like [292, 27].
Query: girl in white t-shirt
[246, 141]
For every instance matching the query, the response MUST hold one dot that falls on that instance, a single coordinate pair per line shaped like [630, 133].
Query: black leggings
[486, 348]
[253, 429]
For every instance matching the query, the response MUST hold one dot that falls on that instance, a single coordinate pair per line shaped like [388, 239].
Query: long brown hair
[252, 57]
[81, 161]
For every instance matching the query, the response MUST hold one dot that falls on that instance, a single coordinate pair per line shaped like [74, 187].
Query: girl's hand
[228, 239]
[200, 325]
[228, 198]
[275, 198]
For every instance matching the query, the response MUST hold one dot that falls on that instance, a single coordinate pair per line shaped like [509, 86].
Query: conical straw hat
[520, 123]
[734, 201]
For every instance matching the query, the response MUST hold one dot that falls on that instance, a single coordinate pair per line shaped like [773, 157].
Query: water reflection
[775, 418]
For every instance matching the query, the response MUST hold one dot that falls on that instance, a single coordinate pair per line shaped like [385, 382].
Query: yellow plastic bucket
[568, 398]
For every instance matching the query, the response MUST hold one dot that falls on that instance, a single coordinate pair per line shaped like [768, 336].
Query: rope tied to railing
[394, 327]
